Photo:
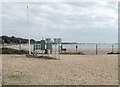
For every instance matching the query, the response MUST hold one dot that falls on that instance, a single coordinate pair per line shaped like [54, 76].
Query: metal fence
[86, 48]
[91, 49]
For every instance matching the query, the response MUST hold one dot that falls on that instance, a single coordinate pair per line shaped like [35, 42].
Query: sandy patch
[69, 70]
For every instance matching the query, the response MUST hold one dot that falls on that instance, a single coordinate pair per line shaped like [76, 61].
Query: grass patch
[16, 77]
[73, 53]
[40, 57]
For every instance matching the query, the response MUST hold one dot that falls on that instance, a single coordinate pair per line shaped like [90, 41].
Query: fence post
[76, 48]
[19, 44]
[59, 50]
[113, 48]
[35, 48]
[96, 49]
[3, 43]
[55, 50]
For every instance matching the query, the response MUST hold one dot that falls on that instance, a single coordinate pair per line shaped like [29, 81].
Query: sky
[83, 22]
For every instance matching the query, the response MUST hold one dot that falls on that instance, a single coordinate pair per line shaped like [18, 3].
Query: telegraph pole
[28, 31]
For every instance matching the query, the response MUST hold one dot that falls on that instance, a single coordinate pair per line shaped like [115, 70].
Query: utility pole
[28, 31]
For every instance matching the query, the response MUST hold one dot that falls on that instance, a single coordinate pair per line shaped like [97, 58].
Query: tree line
[14, 40]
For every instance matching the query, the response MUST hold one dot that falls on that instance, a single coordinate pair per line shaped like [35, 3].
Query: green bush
[40, 57]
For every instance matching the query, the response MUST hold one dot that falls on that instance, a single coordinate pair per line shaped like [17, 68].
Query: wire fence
[91, 49]
[85, 48]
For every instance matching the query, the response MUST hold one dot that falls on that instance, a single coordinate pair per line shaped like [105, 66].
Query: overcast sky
[72, 21]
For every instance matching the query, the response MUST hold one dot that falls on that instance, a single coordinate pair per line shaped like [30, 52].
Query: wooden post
[96, 49]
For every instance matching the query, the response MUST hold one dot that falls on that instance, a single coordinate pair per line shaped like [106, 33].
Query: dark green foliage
[15, 40]
[113, 53]
[40, 57]
[73, 53]
[12, 51]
